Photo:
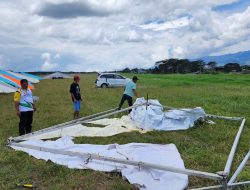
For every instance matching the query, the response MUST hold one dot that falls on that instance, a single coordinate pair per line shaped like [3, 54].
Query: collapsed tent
[153, 117]
[58, 75]
[142, 177]
[5, 88]
[137, 168]
[141, 119]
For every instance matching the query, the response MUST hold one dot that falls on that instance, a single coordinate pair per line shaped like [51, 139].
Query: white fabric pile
[153, 117]
[145, 179]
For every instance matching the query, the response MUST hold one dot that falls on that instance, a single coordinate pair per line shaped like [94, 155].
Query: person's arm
[73, 97]
[17, 97]
[71, 92]
[34, 106]
[135, 93]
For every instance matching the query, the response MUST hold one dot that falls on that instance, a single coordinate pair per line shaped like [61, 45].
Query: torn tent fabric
[144, 178]
[153, 117]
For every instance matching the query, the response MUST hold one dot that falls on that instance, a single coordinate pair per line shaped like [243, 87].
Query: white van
[105, 80]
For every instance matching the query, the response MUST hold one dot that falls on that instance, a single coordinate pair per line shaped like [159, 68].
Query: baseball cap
[76, 78]
[135, 78]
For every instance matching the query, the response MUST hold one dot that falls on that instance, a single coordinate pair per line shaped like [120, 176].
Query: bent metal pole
[122, 161]
[233, 149]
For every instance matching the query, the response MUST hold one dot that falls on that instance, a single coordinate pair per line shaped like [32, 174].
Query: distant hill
[243, 58]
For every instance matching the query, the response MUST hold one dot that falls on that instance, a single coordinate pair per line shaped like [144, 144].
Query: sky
[103, 35]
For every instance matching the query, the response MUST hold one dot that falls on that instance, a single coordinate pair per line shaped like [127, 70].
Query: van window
[119, 77]
[107, 76]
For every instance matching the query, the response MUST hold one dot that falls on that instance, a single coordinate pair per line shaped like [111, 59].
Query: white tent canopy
[5, 88]
[142, 177]
[58, 75]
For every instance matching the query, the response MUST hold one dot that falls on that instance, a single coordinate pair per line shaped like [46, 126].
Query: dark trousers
[124, 98]
[26, 119]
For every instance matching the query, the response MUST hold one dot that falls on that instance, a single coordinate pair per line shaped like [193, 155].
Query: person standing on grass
[129, 92]
[25, 107]
[76, 96]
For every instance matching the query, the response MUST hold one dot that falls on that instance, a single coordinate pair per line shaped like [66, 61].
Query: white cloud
[120, 38]
[47, 65]
[57, 56]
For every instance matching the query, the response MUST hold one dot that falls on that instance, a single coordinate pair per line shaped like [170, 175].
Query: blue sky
[93, 35]
[237, 6]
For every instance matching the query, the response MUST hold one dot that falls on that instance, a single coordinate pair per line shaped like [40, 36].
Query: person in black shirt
[76, 96]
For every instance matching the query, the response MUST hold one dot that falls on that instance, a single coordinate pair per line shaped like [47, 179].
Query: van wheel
[104, 85]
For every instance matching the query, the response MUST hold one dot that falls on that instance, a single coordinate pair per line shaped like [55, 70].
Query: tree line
[187, 66]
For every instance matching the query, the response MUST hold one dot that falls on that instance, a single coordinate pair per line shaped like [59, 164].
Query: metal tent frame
[222, 177]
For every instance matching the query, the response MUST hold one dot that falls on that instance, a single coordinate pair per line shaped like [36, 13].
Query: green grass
[202, 148]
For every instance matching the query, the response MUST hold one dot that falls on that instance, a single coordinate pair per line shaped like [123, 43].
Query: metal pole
[244, 183]
[70, 123]
[233, 149]
[239, 169]
[224, 117]
[208, 188]
[58, 126]
[207, 115]
[110, 114]
[123, 161]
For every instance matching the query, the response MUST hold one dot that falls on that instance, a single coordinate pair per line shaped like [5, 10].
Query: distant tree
[126, 70]
[155, 70]
[229, 67]
[135, 70]
[197, 66]
[246, 67]
[211, 65]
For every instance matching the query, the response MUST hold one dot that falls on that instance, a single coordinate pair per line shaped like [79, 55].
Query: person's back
[130, 86]
[129, 92]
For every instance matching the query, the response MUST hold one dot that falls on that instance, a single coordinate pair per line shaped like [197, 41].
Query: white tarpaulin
[111, 127]
[153, 117]
[145, 179]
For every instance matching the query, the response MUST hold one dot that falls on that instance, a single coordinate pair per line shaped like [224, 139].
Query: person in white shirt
[25, 107]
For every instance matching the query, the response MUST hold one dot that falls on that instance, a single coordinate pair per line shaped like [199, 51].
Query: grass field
[203, 148]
